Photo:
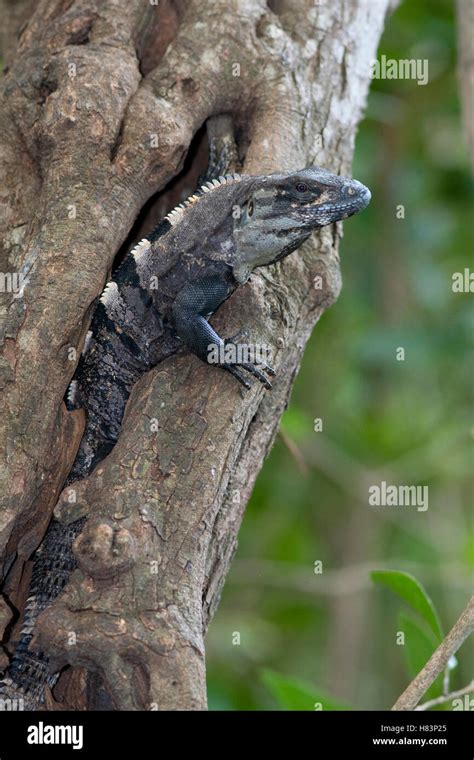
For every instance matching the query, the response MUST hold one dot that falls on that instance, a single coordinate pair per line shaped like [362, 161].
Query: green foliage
[413, 593]
[402, 421]
[422, 636]
[291, 694]
[417, 650]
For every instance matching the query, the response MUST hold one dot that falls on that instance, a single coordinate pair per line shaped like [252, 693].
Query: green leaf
[413, 593]
[417, 650]
[292, 694]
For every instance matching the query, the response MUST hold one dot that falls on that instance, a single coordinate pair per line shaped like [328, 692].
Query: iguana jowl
[159, 299]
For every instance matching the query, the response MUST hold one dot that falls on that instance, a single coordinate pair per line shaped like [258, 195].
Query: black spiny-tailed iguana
[159, 298]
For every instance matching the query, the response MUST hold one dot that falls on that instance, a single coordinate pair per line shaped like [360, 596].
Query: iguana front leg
[196, 301]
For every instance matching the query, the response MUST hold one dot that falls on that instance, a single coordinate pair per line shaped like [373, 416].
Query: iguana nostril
[355, 188]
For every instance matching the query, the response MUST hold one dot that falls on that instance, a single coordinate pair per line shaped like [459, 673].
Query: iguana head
[281, 210]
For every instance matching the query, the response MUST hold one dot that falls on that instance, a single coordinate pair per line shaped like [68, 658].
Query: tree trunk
[102, 101]
[465, 16]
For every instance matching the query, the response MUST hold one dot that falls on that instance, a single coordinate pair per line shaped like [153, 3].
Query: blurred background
[287, 635]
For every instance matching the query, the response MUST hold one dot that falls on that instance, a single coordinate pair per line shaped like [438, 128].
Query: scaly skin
[159, 299]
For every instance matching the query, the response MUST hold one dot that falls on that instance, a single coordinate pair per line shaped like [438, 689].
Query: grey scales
[159, 301]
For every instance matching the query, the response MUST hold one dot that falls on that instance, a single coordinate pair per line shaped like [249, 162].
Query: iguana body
[159, 299]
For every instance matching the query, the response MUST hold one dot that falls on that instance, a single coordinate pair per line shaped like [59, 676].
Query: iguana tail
[103, 396]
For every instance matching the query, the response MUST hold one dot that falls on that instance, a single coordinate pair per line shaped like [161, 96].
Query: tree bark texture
[465, 16]
[101, 102]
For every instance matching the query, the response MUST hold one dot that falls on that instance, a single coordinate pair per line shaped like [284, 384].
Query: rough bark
[465, 15]
[438, 661]
[89, 85]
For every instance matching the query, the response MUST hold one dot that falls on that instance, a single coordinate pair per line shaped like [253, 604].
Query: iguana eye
[250, 207]
[300, 187]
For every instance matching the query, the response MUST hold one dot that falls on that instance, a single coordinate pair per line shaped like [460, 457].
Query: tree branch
[438, 660]
[446, 697]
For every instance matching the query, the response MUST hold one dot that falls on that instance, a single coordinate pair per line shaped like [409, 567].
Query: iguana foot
[235, 370]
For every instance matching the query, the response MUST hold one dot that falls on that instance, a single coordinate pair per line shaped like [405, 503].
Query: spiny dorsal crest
[143, 247]
[176, 214]
[71, 394]
[140, 249]
[110, 294]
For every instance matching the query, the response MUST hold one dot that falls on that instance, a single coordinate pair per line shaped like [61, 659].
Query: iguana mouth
[343, 210]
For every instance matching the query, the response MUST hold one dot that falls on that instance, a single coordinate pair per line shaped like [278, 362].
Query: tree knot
[104, 551]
